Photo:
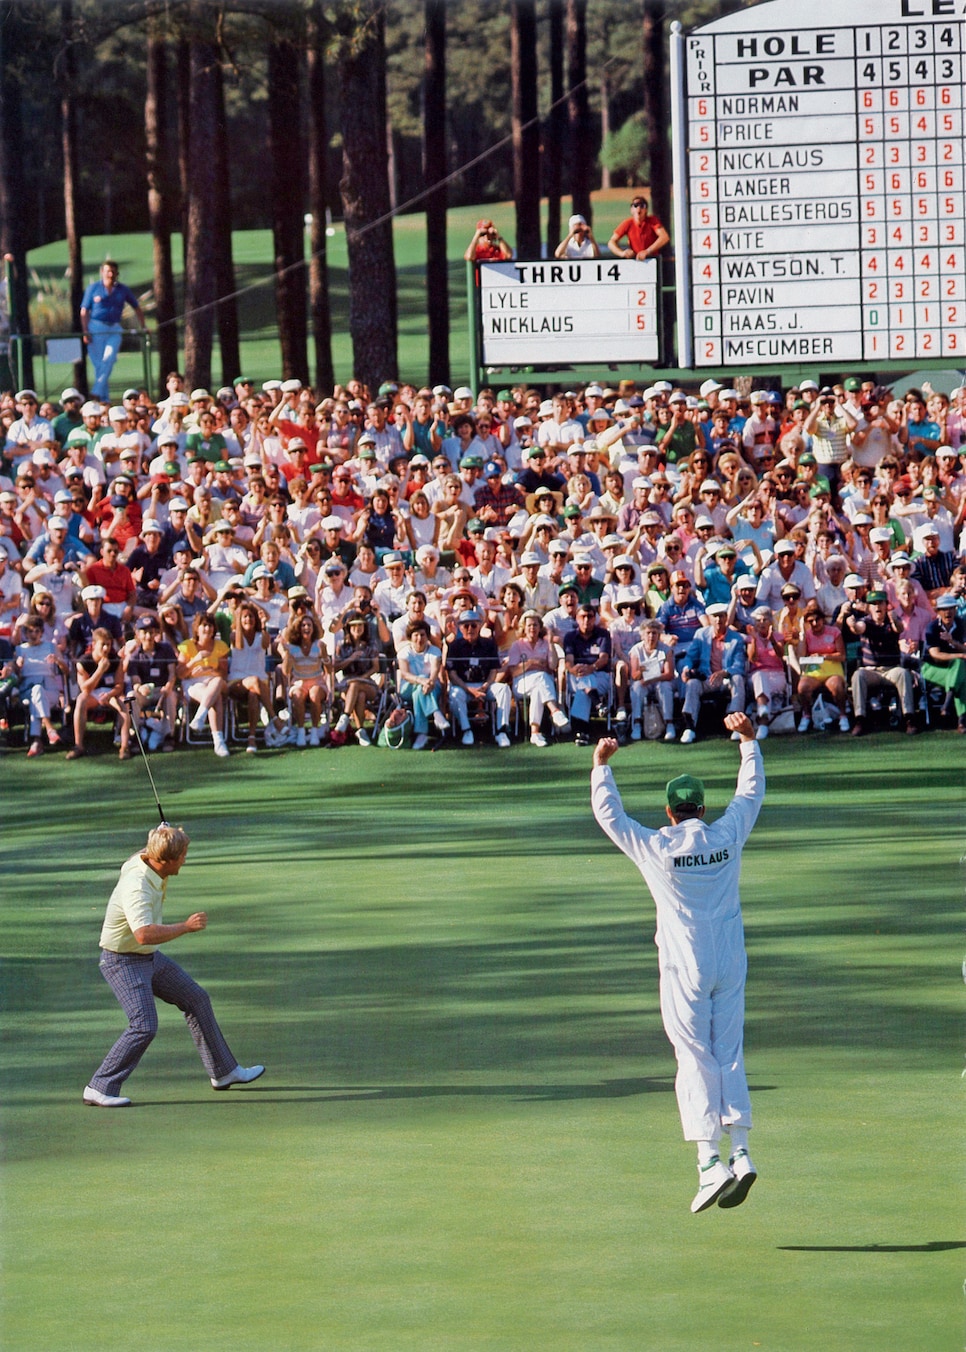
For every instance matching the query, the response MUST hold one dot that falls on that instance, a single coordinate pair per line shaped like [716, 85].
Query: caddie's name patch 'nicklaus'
[701, 860]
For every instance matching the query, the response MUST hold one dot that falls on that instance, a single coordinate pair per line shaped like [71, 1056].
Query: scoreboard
[566, 311]
[819, 193]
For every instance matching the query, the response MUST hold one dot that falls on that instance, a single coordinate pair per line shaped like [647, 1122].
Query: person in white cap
[64, 423]
[531, 665]
[29, 432]
[560, 430]
[692, 869]
[579, 242]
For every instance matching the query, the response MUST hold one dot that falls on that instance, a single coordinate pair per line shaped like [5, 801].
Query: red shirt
[129, 528]
[310, 435]
[117, 582]
[639, 237]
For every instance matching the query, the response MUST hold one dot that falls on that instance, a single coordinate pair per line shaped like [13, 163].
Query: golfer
[692, 871]
[136, 972]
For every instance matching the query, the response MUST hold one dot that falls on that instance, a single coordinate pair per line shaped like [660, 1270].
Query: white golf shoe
[240, 1075]
[95, 1099]
[745, 1174]
[688, 736]
[670, 732]
[713, 1178]
[560, 720]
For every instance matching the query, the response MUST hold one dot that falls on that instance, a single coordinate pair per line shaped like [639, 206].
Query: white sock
[739, 1138]
[707, 1150]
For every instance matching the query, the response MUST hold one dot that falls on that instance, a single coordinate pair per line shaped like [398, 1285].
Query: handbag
[396, 733]
[653, 724]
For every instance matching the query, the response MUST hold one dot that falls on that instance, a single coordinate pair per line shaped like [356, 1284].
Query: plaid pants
[135, 979]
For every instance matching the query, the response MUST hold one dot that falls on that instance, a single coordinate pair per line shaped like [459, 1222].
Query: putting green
[467, 1137]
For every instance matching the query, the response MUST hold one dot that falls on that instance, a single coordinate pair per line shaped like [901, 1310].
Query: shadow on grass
[521, 1093]
[934, 1246]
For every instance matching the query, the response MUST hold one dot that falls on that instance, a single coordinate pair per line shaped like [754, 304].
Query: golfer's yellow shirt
[136, 901]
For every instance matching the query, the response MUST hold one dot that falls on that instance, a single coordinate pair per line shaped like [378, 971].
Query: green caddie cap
[685, 792]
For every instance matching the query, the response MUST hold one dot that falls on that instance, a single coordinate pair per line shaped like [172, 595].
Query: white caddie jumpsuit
[692, 871]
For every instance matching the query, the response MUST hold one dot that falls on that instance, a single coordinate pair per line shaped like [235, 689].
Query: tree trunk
[12, 189]
[288, 172]
[605, 182]
[392, 167]
[202, 186]
[159, 201]
[553, 139]
[318, 204]
[578, 110]
[183, 68]
[434, 171]
[227, 310]
[364, 188]
[655, 110]
[68, 131]
[525, 128]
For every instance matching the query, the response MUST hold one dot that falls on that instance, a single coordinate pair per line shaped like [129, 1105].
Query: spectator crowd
[269, 566]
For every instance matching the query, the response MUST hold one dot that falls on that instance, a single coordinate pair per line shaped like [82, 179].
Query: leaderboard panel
[825, 185]
[567, 312]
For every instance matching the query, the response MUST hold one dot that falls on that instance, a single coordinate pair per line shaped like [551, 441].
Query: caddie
[692, 868]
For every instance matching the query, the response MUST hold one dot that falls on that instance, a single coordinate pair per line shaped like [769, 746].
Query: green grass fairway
[467, 1136]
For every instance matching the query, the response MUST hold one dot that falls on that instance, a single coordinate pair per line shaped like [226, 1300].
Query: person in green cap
[692, 869]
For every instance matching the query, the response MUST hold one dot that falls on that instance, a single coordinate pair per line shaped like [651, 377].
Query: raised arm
[628, 835]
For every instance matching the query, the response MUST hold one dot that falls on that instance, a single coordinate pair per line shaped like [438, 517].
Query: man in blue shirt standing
[100, 314]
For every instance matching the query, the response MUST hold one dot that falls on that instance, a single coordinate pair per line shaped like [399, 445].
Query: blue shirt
[586, 649]
[106, 307]
[717, 588]
[919, 430]
[683, 621]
